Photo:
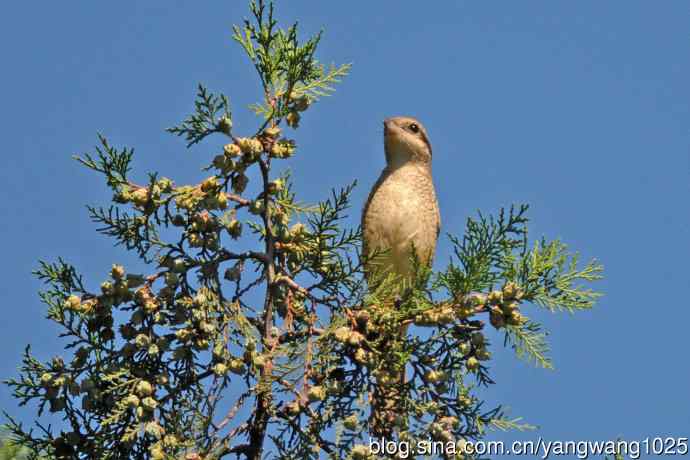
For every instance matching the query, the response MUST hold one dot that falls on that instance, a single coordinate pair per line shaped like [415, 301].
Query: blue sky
[577, 108]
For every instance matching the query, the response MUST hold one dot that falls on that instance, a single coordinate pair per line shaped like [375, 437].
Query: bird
[401, 212]
[401, 215]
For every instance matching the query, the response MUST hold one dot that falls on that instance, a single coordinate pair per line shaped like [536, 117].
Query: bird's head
[405, 140]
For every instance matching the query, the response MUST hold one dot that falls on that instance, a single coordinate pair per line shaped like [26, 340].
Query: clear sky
[577, 108]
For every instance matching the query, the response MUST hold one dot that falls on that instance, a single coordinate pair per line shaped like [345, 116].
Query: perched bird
[402, 211]
[401, 214]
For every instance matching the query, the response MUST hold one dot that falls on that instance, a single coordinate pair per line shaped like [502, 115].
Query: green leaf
[529, 342]
[109, 161]
[552, 279]
[209, 110]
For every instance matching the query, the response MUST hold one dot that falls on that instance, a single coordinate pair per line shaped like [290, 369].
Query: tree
[168, 364]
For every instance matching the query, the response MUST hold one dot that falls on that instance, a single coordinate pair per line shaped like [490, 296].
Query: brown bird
[402, 211]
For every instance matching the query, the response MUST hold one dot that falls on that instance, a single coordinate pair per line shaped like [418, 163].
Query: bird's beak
[386, 126]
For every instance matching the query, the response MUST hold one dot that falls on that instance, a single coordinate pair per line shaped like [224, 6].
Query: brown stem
[238, 199]
[262, 410]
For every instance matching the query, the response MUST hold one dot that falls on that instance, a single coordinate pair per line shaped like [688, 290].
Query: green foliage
[529, 342]
[113, 164]
[211, 109]
[485, 252]
[185, 361]
[495, 251]
[550, 276]
[290, 75]
[10, 450]
[617, 457]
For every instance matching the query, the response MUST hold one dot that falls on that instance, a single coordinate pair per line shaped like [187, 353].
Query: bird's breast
[402, 211]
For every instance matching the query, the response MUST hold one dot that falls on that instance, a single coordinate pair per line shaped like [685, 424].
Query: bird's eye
[414, 127]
